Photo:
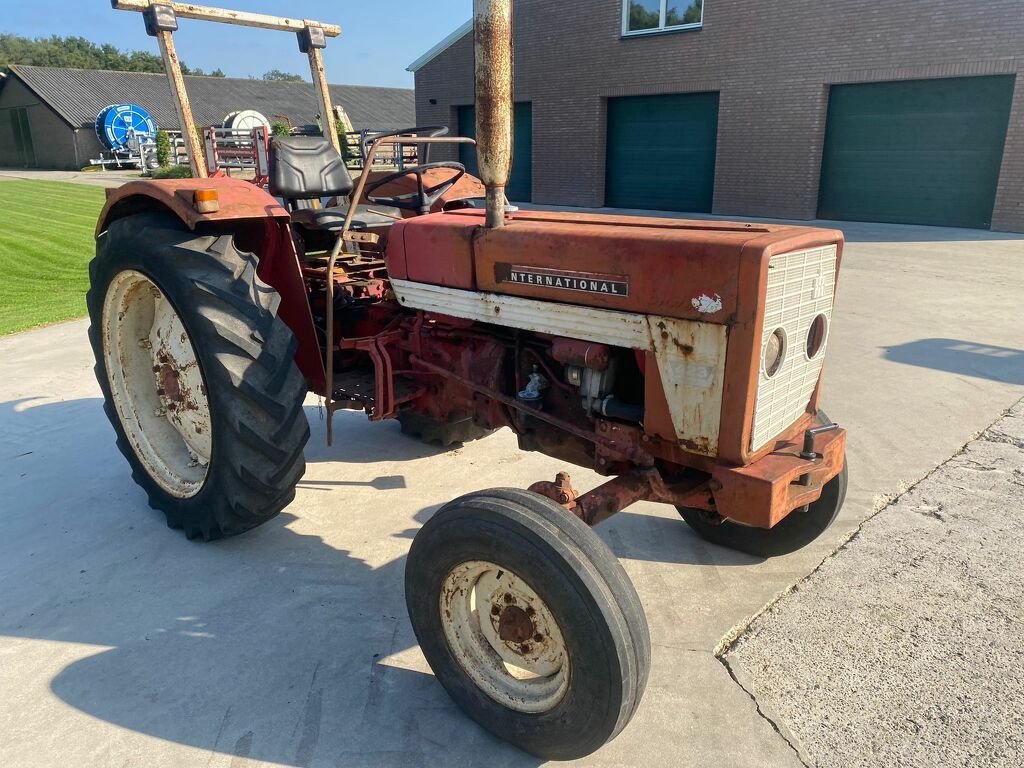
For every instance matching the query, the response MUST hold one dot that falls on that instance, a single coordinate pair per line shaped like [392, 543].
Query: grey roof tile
[78, 95]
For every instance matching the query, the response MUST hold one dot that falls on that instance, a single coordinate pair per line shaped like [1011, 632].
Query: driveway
[97, 178]
[123, 644]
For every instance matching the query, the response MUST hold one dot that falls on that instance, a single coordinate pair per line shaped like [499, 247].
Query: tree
[78, 53]
[692, 15]
[277, 74]
[198, 72]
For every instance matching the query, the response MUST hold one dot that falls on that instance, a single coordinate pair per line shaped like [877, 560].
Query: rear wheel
[198, 375]
[796, 531]
[529, 622]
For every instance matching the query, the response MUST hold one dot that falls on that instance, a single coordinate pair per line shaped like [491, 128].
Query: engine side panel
[689, 356]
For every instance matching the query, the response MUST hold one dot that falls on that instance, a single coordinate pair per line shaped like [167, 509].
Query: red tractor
[680, 359]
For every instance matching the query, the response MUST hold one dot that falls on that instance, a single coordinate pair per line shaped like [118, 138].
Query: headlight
[816, 336]
[774, 352]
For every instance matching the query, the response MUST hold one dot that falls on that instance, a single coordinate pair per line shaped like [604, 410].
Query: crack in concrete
[764, 716]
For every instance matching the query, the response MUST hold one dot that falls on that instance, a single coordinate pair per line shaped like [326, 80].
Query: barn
[48, 114]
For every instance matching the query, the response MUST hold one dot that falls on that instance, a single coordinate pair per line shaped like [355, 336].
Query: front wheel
[796, 531]
[198, 375]
[529, 622]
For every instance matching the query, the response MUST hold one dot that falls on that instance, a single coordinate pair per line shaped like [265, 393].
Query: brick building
[904, 112]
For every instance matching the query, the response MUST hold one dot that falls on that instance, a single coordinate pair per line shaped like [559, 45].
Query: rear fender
[239, 200]
[260, 225]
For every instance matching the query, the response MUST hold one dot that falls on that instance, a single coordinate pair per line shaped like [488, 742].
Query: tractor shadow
[275, 646]
[287, 651]
[631, 535]
[359, 441]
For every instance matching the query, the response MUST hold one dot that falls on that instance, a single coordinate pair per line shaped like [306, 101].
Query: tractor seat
[307, 168]
[332, 219]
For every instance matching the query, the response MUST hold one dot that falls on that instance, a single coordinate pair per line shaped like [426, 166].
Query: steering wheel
[423, 199]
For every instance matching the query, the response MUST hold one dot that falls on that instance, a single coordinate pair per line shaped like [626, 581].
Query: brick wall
[773, 62]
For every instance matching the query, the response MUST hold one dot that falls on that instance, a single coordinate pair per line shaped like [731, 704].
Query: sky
[378, 41]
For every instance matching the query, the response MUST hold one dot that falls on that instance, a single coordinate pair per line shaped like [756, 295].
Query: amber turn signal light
[206, 200]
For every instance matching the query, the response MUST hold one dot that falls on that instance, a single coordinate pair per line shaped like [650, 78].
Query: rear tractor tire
[198, 375]
[529, 622]
[796, 531]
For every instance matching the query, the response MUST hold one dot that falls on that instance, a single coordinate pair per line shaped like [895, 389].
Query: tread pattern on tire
[246, 353]
[528, 516]
[611, 571]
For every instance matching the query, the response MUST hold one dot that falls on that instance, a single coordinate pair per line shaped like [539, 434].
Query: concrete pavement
[113, 178]
[123, 644]
[905, 648]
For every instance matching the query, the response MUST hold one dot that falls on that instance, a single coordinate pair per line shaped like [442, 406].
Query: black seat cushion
[307, 167]
[332, 219]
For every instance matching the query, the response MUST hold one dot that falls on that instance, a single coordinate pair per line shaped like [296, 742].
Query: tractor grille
[801, 286]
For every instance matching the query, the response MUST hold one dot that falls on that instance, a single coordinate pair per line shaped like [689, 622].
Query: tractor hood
[710, 271]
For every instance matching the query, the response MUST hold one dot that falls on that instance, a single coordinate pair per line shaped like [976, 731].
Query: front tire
[796, 531]
[529, 622]
[198, 375]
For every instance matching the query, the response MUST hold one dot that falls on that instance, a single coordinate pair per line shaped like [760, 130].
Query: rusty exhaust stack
[492, 26]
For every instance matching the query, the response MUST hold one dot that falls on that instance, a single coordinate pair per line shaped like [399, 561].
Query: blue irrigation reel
[125, 127]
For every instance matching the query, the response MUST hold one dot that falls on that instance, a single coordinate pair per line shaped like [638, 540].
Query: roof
[441, 47]
[78, 95]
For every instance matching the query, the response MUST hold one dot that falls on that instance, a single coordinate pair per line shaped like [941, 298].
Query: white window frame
[627, 32]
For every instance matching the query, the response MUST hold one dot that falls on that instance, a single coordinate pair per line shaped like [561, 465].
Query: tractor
[681, 360]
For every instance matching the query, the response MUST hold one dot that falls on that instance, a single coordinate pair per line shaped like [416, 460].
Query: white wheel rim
[504, 636]
[156, 385]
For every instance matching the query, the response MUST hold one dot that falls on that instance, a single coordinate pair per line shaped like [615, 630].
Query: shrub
[280, 129]
[173, 172]
[346, 149]
[163, 149]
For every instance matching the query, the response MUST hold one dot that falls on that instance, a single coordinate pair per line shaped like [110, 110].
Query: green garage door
[520, 186]
[915, 152]
[661, 152]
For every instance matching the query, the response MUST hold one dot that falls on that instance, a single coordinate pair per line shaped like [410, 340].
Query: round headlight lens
[816, 336]
[774, 352]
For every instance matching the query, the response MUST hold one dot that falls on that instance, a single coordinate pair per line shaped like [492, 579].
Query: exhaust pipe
[492, 29]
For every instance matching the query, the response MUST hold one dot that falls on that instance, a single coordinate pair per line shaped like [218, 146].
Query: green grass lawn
[46, 242]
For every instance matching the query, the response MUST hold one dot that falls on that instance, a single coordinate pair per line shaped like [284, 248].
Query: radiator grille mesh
[801, 286]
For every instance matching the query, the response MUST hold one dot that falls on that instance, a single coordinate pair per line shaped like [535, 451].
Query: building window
[642, 17]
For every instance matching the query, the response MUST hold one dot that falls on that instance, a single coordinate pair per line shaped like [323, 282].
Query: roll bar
[162, 21]
[492, 24]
